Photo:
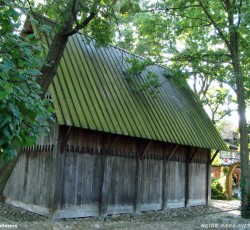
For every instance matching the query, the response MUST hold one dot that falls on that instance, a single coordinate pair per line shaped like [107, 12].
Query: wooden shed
[112, 149]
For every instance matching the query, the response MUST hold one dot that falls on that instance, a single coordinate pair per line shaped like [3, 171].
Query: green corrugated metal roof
[90, 91]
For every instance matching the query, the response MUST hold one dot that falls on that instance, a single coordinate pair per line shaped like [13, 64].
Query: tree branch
[184, 7]
[220, 32]
[223, 3]
[81, 26]
[73, 10]
[239, 14]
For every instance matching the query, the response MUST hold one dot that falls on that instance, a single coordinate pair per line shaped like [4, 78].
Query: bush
[217, 191]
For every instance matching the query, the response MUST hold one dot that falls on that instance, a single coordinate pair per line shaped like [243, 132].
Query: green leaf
[15, 110]
[7, 133]
[6, 65]
[33, 72]
[33, 21]
[29, 140]
[6, 91]
[45, 28]
[4, 120]
[29, 37]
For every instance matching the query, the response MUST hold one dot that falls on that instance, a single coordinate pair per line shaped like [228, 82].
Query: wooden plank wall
[107, 184]
[176, 184]
[197, 186]
[151, 182]
[197, 178]
[29, 185]
[46, 142]
[101, 174]
[30, 181]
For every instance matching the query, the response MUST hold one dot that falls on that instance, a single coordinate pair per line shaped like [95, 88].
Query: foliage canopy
[24, 115]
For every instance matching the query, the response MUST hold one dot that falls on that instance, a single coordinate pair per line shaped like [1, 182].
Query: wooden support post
[187, 182]
[112, 144]
[103, 191]
[215, 154]
[105, 184]
[138, 177]
[208, 180]
[164, 185]
[164, 177]
[172, 152]
[65, 133]
[229, 179]
[145, 149]
[193, 154]
[57, 177]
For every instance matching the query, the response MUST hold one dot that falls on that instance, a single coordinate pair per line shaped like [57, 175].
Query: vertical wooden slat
[208, 174]
[187, 181]
[107, 162]
[164, 184]
[96, 179]
[138, 183]
[59, 173]
[79, 180]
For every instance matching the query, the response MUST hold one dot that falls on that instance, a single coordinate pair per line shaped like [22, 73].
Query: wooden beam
[229, 179]
[138, 178]
[172, 152]
[164, 176]
[164, 185]
[187, 182]
[112, 144]
[216, 153]
[192, 155]
[65, 137]
[105, 179]
[145, 149]
[208, 179]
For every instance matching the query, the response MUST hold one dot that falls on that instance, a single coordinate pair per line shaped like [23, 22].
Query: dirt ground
[219, 215]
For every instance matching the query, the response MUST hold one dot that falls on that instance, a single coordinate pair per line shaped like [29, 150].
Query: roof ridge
[109, 44]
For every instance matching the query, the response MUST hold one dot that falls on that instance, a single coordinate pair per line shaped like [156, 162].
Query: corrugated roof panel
[118, 94]
[101, 86]
[214, 137]
[87, 90]
[150, 120]
[180, 117]
[165, 105]
[112, 94]
[135, 118]
[95, 94]
[91, 91]
[130, 99]
[77, 91]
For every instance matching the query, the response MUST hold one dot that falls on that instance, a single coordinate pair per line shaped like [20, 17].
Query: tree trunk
[244, 154]
[5, 172]
[53, 60]
[233, 46]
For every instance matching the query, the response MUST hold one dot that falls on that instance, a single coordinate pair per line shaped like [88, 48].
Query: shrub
[217, 191]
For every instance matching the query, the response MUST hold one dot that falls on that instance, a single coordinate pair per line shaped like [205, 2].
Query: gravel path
[220, 215]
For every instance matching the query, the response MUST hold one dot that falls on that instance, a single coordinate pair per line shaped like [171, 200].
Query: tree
[213, 33]
[229, 21]
[210, 37]
[26, 71]
[24, 114]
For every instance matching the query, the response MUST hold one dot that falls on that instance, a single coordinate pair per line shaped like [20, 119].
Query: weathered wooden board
[99, 174]
[198, 184]
[30, 180]
[176, 184]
